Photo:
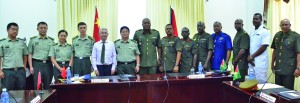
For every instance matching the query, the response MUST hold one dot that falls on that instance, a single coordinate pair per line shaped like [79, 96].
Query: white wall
[130, 16]
[227, 11]
[27, 13]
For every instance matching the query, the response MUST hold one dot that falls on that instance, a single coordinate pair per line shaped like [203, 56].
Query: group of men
[148, 53]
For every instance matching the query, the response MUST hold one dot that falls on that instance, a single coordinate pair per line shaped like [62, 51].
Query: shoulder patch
[51, 38]
[75, 37]
[133, 40]
[90, 37]
[117, 40]
[266, 28]
[33, 37]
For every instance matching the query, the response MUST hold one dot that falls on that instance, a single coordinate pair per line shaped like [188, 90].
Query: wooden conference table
[233, 94]
[25, 96]
[145, 89]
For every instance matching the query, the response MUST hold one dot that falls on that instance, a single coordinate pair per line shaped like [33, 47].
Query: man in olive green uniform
[241, 43]
[171, 51]
[13, 59]
[39, 61]
[61, 54]
[127, 53]
[205, 46]
[188, 53]
[149, 45]
[82, 47]
[286, 55]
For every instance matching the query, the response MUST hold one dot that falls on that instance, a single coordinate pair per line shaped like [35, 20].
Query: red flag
[173, 22]
[96, 27]
[64, 73]
[39, 81]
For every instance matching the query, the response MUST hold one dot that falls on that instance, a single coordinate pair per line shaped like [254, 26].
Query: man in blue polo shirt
[222, 46]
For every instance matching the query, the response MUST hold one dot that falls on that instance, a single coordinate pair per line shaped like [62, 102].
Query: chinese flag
[96, 27]
[64, 73]
[39, 81]
[173, 22]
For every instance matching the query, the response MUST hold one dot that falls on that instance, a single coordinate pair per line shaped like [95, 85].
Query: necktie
[103, 52]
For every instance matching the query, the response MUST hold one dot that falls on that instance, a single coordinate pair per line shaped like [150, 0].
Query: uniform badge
[7, 46]
[221, 38]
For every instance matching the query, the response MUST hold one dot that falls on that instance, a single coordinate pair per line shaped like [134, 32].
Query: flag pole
[41, 92]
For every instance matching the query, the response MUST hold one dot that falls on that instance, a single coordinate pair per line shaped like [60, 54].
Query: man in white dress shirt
[104, 55]
[259, 41]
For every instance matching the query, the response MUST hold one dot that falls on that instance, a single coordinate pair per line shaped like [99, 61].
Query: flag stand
[41, 92]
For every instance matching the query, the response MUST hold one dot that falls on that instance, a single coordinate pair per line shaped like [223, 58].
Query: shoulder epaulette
[153, 30]
[117, 40]
[75, 37]
[133, 40]
[19, 39]
[90, 37]
[33, 37]
[2, 39]
[51, 38]
[294, 32]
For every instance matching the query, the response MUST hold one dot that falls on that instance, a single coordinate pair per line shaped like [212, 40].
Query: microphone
[8, 92]
[258, 93]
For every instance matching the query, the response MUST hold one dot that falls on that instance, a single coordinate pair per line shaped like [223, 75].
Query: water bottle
[192, 70]
[4, 96]
[69, 76]
[251, 74]
[200, 68]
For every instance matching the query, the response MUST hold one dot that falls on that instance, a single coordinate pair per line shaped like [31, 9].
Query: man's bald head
[285, 25]
[238, 24]
[146, 23]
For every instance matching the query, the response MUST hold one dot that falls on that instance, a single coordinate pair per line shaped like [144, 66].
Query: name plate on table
[196, 76]
[267, 97]
[36, 99]
[100, 80]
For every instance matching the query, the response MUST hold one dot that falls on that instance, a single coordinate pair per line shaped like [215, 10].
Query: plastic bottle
[4, 96]
[200, 68]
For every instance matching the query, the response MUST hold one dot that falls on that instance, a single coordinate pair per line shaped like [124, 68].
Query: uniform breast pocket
[203, 43]
[7, 48]
[290, 44]
[257, 40]
[154, 41]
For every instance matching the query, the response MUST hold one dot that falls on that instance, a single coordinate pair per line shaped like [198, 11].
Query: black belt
[65, 62]
[13, 68]
[126, 62]
[44, 61]
[82, 57]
